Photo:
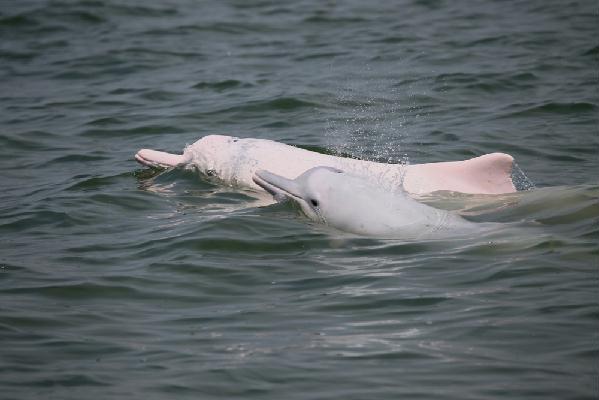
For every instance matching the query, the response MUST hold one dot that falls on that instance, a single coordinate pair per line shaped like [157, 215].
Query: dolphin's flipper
[489, 174]
[159, 159]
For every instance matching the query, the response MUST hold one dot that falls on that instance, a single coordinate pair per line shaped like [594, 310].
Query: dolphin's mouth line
[279, 193]
[279, 187]
[265, 185]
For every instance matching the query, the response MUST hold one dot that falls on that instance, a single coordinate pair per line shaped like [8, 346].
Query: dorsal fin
[489, 174]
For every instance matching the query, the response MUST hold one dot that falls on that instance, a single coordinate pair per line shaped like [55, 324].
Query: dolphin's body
[234, 161]
[355, 204]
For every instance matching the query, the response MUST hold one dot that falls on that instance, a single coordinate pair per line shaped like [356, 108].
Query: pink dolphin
[234, 161]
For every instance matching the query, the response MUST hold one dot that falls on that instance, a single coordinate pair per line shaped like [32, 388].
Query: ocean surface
[120, 282]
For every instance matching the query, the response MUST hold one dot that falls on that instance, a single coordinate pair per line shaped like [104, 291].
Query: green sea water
[122, 282]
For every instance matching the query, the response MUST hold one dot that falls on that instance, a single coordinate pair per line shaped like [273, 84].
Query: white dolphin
[234, 161]
[355, 204]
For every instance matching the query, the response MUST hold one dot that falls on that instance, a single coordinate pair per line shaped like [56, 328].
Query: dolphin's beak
[277, 185]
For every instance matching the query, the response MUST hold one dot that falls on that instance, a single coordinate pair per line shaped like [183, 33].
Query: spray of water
[521, 181]
[369, 123]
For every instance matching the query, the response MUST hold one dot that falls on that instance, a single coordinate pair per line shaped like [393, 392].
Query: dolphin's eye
[314, 202]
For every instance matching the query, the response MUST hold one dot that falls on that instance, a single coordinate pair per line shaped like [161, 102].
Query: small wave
[216, 27]
[78, 291]
[526, 110]
[83, 16]
[326, 54]
[18, 21]
[559, 205]
[17, 55]
[592, 52]
[138, 131]
[221, 86]
[278, 104]
[395, 39]
[486, 82]
[321, 19]
[159, 95]
[490, 41]
[104, 121]
[288, 103]
[78, 158]
[565, 108]
[93, 183]
[138, 10]
[21, 143]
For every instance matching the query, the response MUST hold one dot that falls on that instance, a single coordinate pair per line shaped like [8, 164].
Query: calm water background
[117, 282]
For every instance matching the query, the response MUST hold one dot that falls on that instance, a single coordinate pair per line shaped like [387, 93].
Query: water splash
[521, 181]
[369, 124]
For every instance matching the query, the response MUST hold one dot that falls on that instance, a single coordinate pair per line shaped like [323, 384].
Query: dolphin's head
[327, 195]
